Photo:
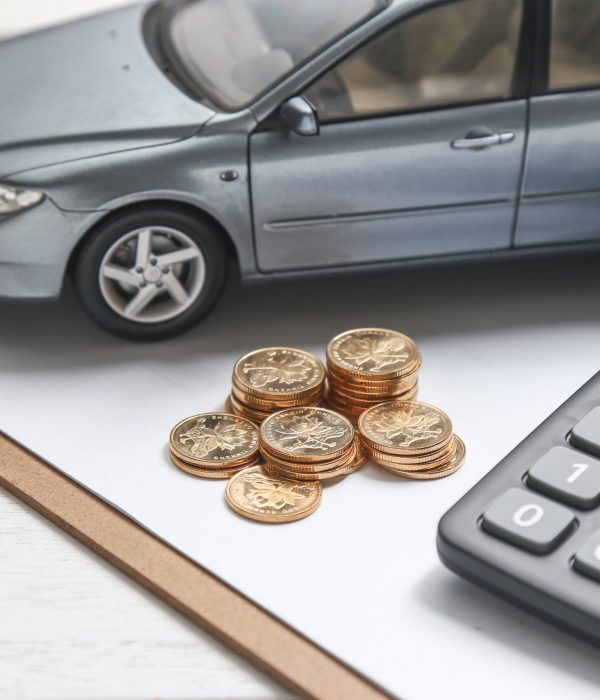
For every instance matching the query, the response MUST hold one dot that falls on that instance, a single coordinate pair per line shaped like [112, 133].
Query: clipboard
[248, 629]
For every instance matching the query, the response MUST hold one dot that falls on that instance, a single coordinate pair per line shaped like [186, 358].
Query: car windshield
[234, 50]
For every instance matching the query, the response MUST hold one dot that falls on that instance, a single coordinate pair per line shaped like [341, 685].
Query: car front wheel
[151, 274]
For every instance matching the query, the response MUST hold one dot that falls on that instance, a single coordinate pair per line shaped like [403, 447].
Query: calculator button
[586, 434]
[528, 521]
[587, 559]
[569, 476]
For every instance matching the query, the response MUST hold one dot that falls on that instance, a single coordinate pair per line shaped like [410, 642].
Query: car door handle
[477, 142]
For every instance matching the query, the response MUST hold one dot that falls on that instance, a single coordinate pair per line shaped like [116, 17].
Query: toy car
[142, 148]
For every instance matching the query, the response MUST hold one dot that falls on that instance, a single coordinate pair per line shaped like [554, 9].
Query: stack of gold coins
[272, 379]
[214, 445]
[411, 439]
[309, 444]
[368, 366]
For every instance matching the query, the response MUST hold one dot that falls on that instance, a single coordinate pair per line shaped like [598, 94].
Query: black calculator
[530, 529]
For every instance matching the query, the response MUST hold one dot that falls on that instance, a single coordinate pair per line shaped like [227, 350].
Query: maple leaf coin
[309, 434]
[404, 427]
[280, 372]
[373, 353]
[219, 440]
[255, 495]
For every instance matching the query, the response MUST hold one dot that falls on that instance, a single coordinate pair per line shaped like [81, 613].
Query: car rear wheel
[151, 274]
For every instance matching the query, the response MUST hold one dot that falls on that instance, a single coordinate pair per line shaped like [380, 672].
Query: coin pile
[214, 445]
[411, 439]
[277, 471]
[272, 379]
[310, 444]
[368, 366]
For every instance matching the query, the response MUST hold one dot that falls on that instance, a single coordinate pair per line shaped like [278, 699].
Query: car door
[420, 149]
[561, 187]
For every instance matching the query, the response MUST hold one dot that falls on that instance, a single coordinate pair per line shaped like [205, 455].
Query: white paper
[503, 346]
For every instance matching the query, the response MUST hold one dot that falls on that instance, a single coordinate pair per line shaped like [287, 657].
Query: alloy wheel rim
[152, 274]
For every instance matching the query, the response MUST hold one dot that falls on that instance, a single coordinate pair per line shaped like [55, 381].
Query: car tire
[151, 274]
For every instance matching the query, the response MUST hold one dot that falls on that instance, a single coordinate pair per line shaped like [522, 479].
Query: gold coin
[214, 440]
[308, 467]
[409, 455]
[307, 434]
[232, 464]
[370, 386]
[275, 403]
[404, 427]
[351, 396]
[354, 412]
[442, 450]
[375, 381]
[255, 415]
[268, 395]
[440, 472]
[311, 467]
[404, 464]
[258, 496]
[337, 473]
[229, 408]
[245, 412]
[342, 407]
[344, 399]
[207, 473]
[335, 397]
[284, 372]
[373, 352]
[353, 464]
[360, 389]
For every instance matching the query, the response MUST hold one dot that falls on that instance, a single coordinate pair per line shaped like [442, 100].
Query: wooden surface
[206, 600]
[72, 627]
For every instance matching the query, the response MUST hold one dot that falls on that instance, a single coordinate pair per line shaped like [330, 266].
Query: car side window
[575, 44]
[459, 52]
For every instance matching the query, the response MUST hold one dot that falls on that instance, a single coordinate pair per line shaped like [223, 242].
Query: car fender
[209, 174]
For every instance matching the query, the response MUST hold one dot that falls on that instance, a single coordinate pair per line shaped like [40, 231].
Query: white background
[503, 345]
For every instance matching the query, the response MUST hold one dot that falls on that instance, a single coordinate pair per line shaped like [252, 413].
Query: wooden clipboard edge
[241, 624]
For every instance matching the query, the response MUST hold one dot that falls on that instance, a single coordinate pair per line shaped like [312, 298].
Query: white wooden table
[71, 626]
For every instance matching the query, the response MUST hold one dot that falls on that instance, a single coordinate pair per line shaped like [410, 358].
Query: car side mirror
[300, 116]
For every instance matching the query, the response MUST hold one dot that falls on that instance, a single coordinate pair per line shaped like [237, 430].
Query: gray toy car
[142, 148]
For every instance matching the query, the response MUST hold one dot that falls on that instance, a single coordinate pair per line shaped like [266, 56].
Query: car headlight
[15, 199]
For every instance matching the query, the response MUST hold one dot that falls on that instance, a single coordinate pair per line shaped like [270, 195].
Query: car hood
[84, 89]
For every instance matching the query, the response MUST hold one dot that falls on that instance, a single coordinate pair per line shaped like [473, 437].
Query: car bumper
[35, 246]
